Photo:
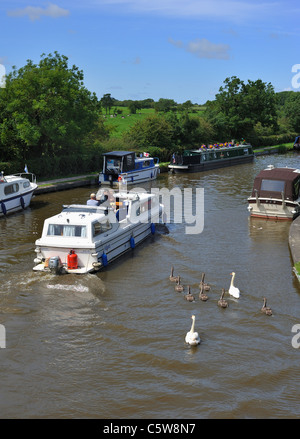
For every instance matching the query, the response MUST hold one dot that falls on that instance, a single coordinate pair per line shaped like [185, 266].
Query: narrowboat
[211, 157]
[16, 192]
[85, 239]
[124, 166]
[275, 194]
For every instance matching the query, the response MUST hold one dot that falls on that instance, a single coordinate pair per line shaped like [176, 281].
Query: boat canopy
[119, 161]
[272, 182]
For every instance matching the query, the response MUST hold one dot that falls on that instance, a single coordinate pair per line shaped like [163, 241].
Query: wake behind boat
[84, 238]
[16, 192]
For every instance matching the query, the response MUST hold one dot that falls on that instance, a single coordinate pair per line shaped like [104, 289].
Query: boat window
[146, 164]
[272, 185]
[99, 228]
[66, 230]
[26, 184]
[11, 188]
[112, 164]
[145, 206]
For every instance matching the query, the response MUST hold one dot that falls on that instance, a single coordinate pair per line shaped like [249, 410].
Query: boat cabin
[116, 162]
[277, 183]
[126, 166]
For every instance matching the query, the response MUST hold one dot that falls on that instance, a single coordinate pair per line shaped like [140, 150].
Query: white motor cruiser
[16, 192]
[84, 238]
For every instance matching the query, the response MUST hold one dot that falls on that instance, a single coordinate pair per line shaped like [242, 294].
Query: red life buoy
[72, 260]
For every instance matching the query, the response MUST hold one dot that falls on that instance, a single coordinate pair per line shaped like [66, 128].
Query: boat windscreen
[272, 185]
[66, 230]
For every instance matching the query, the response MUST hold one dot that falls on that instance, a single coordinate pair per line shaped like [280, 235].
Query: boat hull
[273, 209]
[15, 203]
[93, 259]
[133, 177]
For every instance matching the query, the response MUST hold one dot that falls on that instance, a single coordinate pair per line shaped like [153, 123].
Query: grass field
[121, 123]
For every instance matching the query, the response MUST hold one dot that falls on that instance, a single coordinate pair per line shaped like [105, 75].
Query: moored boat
[211, 157]
[16, 192]
[124, 166]
[275, 194]
[297, 143]
[84, 238]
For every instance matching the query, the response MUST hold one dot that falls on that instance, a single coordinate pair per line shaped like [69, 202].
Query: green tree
[165, 105]
[45, 109]
[292, 110]
[107, 102]
[151, 131]
[239, 107]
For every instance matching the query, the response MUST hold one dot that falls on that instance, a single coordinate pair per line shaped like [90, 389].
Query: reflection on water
[111, 345]
[269, 229]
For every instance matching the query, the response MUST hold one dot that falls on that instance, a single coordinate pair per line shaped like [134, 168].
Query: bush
[274, 139]
[9, 168]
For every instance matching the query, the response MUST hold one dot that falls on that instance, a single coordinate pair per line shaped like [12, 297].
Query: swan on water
[205, 285]
[222, 302]
[178, 286]
[233, 291]
[202, 296]
[265, 309]
[189, 297]
[172, 277]
[192, 338]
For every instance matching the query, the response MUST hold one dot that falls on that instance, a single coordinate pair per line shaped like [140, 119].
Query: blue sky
[175, 49]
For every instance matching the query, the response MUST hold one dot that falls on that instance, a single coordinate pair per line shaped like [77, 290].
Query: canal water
[111, 345]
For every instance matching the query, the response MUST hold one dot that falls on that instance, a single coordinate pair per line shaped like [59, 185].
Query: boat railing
[84, 208]
[27, 175]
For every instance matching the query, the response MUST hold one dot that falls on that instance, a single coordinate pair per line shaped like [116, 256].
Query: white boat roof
[79, 214]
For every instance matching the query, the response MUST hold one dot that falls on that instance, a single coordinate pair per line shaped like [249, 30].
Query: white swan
[192, 338]
[233, 291]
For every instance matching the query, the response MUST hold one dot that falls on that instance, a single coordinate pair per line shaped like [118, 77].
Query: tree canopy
[239, 107]
[45, 109]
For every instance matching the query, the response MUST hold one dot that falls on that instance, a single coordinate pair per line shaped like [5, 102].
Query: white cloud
[232, 10]
[35, 13]
[2, 76]
[202, 48]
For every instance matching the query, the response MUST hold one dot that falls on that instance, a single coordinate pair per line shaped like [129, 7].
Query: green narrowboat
[212, 157]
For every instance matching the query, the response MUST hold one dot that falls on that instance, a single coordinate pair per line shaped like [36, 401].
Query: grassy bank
[280, 149]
